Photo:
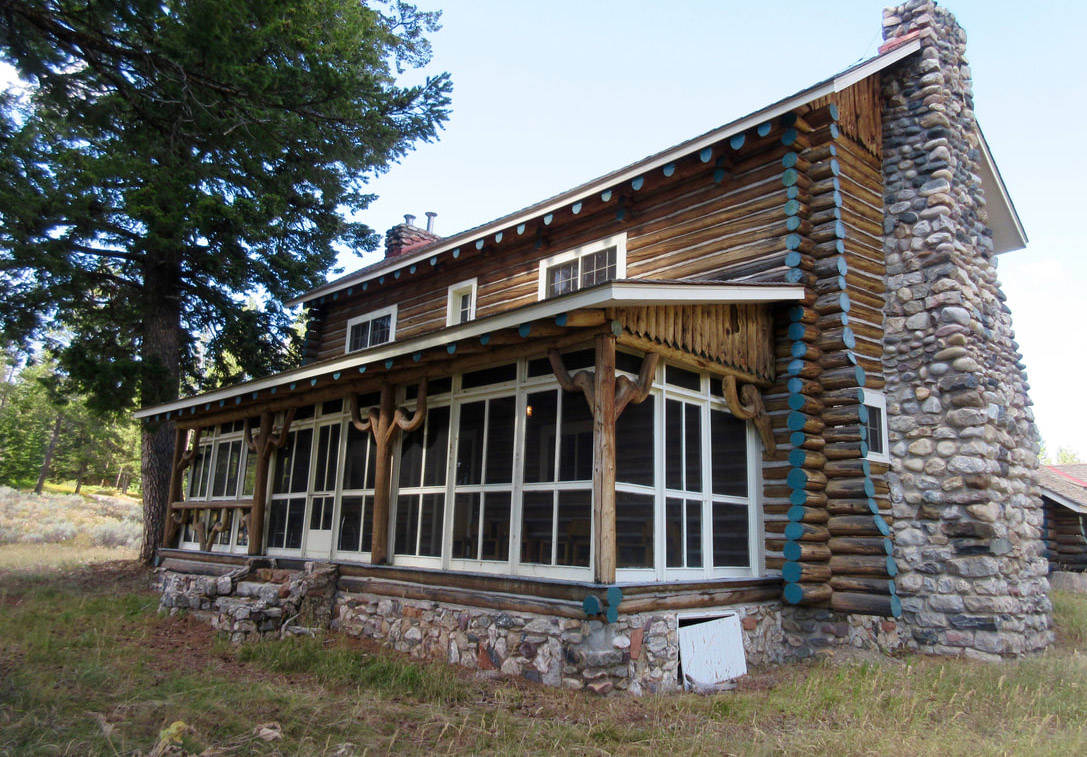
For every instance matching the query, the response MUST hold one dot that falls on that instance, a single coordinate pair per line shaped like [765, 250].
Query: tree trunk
[79, 477]
[49, 454]
[161, 358]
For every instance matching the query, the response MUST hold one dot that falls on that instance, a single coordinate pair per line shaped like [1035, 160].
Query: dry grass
[39, 557]
[88, 667]
[91, 519]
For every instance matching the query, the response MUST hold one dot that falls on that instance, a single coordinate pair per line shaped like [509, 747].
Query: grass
[93, 518]
[87, 666]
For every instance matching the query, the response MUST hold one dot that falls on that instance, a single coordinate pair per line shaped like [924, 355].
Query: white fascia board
[612, 294]
[1008, 232]
[1060, 499]
[844, 80]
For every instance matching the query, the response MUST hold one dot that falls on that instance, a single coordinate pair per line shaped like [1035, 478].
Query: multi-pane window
[372, 329]
[583, 267]
[221, 472]
[874, 417]
[355, 529]
[461, 306]
[290, 485]
[420, 504]
[499, 478]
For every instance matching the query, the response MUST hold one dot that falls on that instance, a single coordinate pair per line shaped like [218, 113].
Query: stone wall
[638, 653]
[963, 442]
[246, 605]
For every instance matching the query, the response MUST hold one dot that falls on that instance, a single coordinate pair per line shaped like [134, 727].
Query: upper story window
[461, 305]
[371, 329]
[876, 405]
[583, 267]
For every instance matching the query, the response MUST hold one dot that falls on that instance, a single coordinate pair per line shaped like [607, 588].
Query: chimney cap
[409, 219]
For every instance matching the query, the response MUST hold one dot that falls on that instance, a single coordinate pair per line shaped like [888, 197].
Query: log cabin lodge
[746, 379]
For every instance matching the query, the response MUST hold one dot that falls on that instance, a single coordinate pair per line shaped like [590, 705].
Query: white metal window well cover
[712, 652]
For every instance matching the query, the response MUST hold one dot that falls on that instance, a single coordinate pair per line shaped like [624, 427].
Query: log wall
[713, 215]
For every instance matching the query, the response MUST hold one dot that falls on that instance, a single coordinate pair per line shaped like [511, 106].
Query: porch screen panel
[575, 528]
[286, 514]
[356, 525]
[541, 427]
[420, 505]
[728, 438]
[537, 527]
[500, 430]
[730, 528]
[576, 453]
[635, 436]
[634, 529]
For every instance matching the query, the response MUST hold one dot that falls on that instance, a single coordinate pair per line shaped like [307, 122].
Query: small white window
[461, 307]
[876, 404]
[584, 267]
[372, 329]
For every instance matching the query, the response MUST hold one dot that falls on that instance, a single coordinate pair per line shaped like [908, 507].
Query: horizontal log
[849, 488]
[853, 545]
[803, 572]
[807, 594]
[848, 468]
[863, 565]
[862, 585]
[866, 604]
[857, 506]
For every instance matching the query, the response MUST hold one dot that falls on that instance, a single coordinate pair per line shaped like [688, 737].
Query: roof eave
[1008, 232]
[841, 81]
[626, 293]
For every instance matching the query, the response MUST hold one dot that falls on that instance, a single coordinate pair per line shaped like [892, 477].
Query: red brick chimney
[405, 237]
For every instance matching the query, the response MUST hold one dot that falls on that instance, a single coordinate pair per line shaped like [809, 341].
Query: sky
[549, 95]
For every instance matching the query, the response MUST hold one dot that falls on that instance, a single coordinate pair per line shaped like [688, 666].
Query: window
[461, 306]
[372, 329]
[222, 471]
[583, 267]
[875, 403]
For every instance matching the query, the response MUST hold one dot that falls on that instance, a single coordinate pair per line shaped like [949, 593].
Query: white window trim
[452, 308]
[618, 241]
[390, 311]
[879, 400]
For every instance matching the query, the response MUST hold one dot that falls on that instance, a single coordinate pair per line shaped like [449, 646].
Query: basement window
[876, 425]
[583, 267]
[371, 329]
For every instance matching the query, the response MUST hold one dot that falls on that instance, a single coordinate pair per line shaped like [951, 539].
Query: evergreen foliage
[169, 157]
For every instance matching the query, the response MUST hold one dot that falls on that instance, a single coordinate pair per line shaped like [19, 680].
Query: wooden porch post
[383, 424]
[177, 473]
[604, 460]
[263, 447]
[379, 549]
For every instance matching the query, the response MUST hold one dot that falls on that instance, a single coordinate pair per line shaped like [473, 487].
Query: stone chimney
[405, 237]
[967, 518]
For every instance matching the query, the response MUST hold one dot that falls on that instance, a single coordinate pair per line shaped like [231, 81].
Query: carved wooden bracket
[190, 453]
[400, 421]
[582, 382]
[626, 391]
[206, 536]
[746, 404]
[267, 441]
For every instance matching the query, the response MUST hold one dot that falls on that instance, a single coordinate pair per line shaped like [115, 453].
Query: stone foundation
[250, 606]
[638, 653]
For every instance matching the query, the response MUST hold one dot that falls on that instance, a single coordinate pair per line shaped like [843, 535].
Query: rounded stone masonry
[963, 444]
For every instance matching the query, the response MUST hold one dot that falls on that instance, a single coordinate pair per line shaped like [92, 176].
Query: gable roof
[1065, 485]
[1008, 233]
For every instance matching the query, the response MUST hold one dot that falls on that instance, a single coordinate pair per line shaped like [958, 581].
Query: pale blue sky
[549, 95]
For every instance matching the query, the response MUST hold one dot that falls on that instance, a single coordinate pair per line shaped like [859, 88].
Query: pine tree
[169, 157]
